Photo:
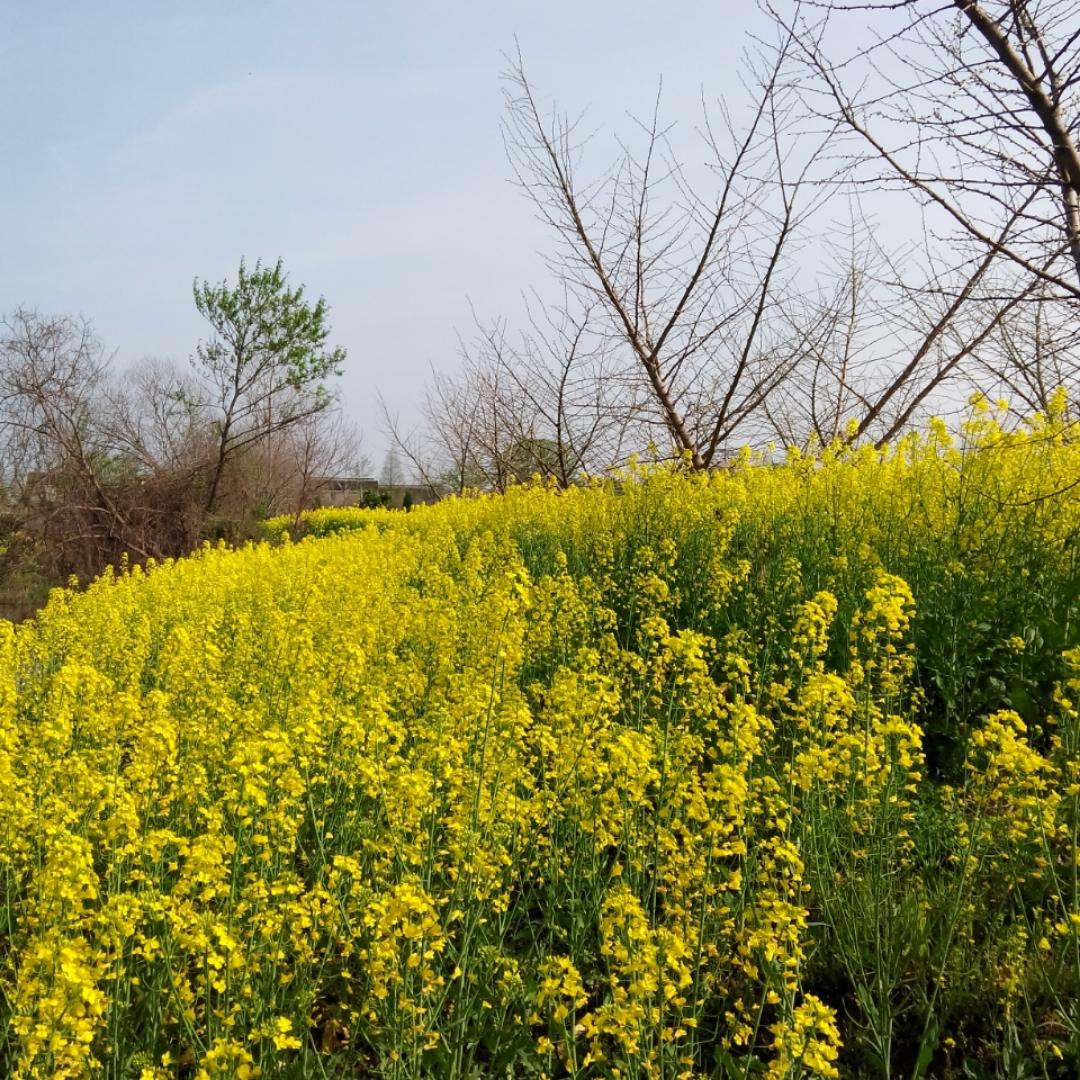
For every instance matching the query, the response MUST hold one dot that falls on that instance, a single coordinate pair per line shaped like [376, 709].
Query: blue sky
[146, 144]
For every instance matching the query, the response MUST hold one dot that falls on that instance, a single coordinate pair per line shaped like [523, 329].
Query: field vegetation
[768, 771]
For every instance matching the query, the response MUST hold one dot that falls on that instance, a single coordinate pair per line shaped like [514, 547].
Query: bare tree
[391, 474]
[289, 470]
[1032, 355]
[318, 450]
[447, 451]
[51, 376]
[974, 106]
[578, 412]
[96, 466]
[547, 401]
[690, 288]
[556, 401]
[840, 336]
[150, 417]
[972, 110]
[712, 324]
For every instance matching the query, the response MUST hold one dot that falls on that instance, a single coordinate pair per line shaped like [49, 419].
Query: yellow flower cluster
[560, 783]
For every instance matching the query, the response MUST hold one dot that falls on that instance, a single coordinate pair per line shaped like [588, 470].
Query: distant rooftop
[349, 483]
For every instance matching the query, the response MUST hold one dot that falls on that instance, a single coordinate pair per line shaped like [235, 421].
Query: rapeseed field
[767, 772]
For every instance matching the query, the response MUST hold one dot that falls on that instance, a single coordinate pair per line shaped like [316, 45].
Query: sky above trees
[145, 146]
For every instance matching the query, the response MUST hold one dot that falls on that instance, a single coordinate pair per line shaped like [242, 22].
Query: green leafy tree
[265, 364]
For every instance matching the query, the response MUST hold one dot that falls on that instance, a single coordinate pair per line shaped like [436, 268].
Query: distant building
[343, 490]
[365, 490]
[418, 494]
